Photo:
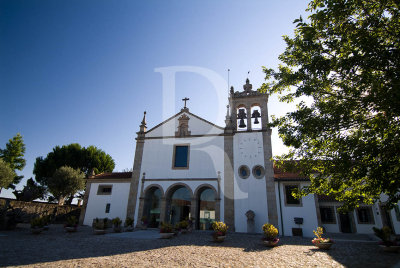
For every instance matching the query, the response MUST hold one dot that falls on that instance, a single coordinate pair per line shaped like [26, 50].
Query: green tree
[345, 59]
[73, 155]
[6, 175]
[31, 191]
[65, 182]
[13, 155]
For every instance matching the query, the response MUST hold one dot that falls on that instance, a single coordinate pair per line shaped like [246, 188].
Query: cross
[185, 99]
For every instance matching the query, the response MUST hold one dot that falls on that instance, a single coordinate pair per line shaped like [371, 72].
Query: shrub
[116, 221]
[128, 221]
[166, 228]
[219, 228]
[270, 231]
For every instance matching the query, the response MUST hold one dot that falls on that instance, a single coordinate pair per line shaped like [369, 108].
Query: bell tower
[249, 176]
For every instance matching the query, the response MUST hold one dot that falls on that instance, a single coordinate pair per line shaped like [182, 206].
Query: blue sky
[84, 71]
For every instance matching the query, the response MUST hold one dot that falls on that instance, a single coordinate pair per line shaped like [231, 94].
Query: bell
[256, 114]
[256, 121]
[242, 124]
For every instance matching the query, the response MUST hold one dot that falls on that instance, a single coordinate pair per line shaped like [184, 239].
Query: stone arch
[156, 186]
[206, 211]
[170, 190]
[255, 110]
[151, 205]
[178, 207]
[205, 185]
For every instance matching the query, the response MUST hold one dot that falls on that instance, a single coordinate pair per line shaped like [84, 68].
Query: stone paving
[55, 248]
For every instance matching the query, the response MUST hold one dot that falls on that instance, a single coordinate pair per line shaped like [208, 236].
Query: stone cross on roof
[247, 87]
[185, 99]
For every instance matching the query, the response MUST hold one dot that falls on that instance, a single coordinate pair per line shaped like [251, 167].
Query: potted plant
[99, 226]
[319, 241]
[71, 225]
[46, 222]
[128, 224]
[117, 225]
[270, 235]
[177, 229]
[37, 225]
[183, 226]
[144, 222]
[166, 230]
[220, 229]
[388, 242]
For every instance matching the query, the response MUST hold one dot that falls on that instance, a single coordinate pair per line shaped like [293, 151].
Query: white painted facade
[216, 155]
[96, 205]
[250, 193]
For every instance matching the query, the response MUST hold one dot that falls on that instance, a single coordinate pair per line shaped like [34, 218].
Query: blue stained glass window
[181, 156]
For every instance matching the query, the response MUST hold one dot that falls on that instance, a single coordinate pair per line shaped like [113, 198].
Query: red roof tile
[113, 175]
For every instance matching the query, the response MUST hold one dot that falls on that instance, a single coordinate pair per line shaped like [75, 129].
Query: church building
[187, 167]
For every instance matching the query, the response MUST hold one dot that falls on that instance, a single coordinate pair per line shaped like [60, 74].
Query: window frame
[334, 221]
[247, 170]
[284, 185]
[108, 208]
[174, 156]
[101, 187]
[370, 215]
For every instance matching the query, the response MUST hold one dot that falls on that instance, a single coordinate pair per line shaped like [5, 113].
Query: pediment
[184, 124]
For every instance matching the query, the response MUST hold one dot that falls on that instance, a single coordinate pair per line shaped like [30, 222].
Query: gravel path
[55, 248]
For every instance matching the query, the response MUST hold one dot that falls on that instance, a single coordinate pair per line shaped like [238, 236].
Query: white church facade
[187, 167]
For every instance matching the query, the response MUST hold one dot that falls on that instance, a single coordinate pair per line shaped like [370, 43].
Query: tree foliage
[75, 156]
[31, 191]
[66, 181]
[13, 155]
[6, 174]
[346, 59]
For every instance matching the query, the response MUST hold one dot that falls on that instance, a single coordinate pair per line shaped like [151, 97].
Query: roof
[185, 110]
[281, 175]
[112, 175]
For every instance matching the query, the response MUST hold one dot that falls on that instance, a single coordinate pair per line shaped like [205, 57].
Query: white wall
[96, 205]
[250, 193]
[307, 211]
[205, 160]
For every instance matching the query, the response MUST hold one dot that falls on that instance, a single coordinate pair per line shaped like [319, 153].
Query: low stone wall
[28, 210]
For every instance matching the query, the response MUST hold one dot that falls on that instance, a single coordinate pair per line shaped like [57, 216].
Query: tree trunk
[61, 200]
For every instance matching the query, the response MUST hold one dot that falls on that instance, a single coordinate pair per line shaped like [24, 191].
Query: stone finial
[247, 87]
[143, 123]
[232, 90]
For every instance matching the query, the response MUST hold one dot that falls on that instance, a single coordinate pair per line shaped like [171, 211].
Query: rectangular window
[181, 156]
[108, 208]
[365, 215]
[104, 190]
[327, 215]
[289, 198]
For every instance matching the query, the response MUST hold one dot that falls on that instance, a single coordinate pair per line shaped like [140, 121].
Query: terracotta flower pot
[271, 243]
[71, 229]
[323, 245]
[219, 239]
[37, 230]
[166, 235]
[99, 231]
[390, 248]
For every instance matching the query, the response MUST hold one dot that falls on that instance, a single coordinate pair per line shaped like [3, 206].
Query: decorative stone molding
[183, 128]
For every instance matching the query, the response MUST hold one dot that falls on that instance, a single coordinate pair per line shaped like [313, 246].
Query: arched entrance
[178, 204]
[206, 208]
[152, 206]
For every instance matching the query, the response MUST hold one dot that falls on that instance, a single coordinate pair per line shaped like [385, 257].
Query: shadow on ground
[20, 247]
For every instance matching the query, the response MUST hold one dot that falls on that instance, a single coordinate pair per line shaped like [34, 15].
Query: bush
[270, 231]
[128, 221]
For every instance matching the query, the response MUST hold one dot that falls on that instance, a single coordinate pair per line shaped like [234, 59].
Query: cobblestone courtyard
[55, 248]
